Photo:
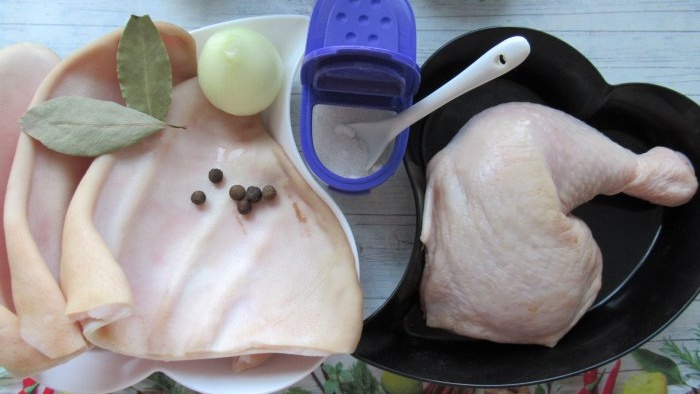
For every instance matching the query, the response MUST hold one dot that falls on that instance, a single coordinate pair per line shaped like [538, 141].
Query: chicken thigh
[506, 260]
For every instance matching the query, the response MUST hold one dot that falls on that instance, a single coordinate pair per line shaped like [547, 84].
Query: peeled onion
[240, 71]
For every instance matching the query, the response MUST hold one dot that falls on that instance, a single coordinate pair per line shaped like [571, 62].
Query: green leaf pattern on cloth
[653, 362]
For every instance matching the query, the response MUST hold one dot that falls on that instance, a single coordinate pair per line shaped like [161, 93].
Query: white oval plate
[99, 370]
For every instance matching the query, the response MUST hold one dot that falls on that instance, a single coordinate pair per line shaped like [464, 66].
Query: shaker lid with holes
[359, 54]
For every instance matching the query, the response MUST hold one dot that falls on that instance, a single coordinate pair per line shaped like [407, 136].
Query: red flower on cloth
[30, 385]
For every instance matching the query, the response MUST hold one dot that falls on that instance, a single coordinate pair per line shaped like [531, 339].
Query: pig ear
[22, 68]
[92, 70]
[182, 51]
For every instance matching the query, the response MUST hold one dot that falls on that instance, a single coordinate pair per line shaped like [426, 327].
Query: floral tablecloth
[668, 366]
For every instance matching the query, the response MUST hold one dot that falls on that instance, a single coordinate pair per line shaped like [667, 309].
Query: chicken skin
[506, 261]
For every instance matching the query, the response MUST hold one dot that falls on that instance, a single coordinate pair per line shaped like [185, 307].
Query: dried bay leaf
[143, 66]
[82, 126]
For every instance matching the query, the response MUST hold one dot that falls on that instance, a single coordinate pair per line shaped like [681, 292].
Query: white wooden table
[628, 41]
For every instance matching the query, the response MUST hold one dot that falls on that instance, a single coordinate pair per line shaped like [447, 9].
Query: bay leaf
[82, 126]
[143, 66]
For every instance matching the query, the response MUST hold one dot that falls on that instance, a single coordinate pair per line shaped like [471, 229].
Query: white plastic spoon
[494, 63]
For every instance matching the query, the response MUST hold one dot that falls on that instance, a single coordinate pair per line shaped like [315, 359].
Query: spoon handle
[495, 62]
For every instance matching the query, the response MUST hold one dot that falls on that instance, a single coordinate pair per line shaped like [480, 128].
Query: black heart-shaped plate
[650, 253]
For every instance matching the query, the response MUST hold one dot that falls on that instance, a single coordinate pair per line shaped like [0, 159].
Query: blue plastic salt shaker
[360, 54]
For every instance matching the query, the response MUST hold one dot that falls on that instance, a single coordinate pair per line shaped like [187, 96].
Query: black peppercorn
[216, 175]
[198, 197]
[269, 192]
[244, 207]
[236, 192]
[253, 194]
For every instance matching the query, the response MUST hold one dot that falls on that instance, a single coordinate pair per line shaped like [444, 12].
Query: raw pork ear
[29, 284]
[41, 184]
[208, 281]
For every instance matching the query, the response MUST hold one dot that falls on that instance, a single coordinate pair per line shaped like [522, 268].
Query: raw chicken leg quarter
[506, 260]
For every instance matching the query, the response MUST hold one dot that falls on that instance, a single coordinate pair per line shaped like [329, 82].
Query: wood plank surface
[628, 41]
